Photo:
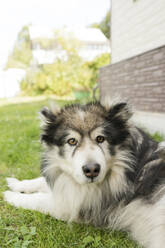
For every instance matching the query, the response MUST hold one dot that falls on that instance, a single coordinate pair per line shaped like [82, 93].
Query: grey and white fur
[98, 168]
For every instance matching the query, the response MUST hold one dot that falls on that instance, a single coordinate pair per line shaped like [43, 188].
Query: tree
[21, 55]
[68, 74]
[104, 25]
[95, 65]
[63, 76]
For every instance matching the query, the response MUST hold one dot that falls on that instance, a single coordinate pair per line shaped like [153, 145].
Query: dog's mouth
[97, 180]
[92, 180]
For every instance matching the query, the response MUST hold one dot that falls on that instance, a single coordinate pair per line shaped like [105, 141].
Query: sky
[54, 13]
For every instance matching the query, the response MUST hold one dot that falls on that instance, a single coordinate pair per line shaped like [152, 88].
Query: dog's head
[81, 140]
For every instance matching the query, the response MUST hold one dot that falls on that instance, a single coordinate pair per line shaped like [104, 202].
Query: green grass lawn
[20, 157]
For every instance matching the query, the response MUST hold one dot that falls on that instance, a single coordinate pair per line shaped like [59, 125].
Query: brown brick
[140, 79]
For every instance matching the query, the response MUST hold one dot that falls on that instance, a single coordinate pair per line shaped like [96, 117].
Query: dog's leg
[28, 186]
[42, 202]
[145, 222]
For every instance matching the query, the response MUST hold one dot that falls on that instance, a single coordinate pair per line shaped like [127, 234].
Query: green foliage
[59, 78]
[94, 66]
[104, 25]
[67, 41]
[45, 43]
[158, 137]
[21, 55]
[24, 236]
[51, 79]
[90, 241]
[66, 75]
[63, 77]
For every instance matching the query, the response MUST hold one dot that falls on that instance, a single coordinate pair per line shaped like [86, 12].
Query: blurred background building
[92, 42]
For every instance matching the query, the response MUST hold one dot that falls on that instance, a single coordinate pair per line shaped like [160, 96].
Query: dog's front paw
[13, 184]
[12, 197]
[19, 186]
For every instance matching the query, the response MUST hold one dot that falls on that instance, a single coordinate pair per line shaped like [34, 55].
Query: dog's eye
[100, 139]
[72, 141]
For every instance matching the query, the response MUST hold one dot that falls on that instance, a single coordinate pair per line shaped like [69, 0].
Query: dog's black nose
[91, 170]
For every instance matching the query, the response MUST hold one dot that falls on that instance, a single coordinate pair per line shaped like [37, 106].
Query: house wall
[137, 26]
[140, 79]
[10, 82]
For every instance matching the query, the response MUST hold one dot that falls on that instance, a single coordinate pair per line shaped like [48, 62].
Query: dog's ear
[47, 116]
[117, 118]
[117, 108]
[120, 111]
[48, 119]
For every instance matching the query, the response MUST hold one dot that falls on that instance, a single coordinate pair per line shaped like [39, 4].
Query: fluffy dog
[98, 168]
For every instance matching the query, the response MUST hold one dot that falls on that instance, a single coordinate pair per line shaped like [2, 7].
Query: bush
[59, 78]
[94, 66]
[64, 77]
[21, 55]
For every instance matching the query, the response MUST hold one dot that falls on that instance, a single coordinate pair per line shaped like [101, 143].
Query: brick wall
[140, 79]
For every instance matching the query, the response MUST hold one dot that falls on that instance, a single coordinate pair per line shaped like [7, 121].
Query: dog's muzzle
[91, 170]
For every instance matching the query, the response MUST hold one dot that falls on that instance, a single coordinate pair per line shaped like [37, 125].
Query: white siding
[136, 27]
[10, 82]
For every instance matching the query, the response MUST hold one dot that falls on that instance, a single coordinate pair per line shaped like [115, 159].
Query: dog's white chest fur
[69, 197]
